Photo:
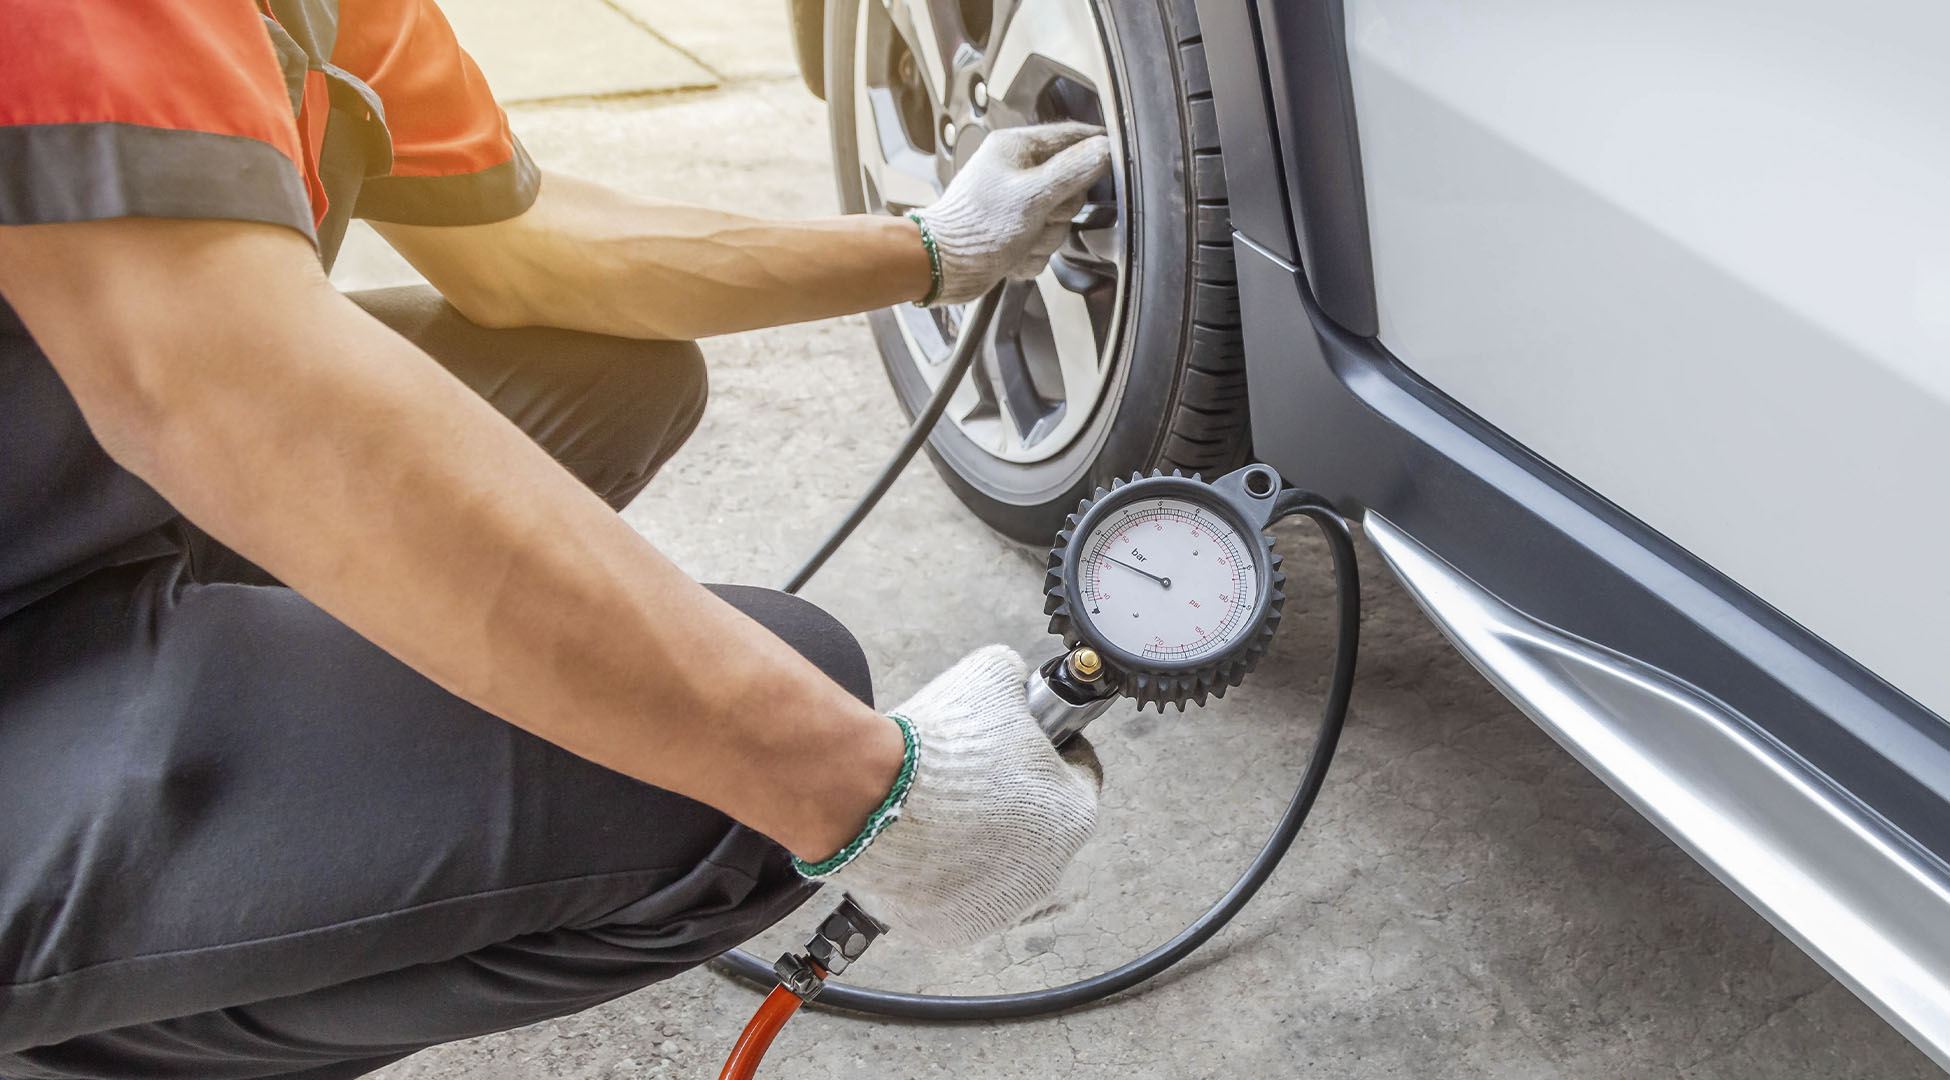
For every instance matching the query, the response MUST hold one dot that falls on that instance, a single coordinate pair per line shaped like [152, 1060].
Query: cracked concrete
[1466, 901]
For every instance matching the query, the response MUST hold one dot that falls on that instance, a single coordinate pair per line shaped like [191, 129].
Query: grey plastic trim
[1242, 101]
[1305, 45]
[1831, 876]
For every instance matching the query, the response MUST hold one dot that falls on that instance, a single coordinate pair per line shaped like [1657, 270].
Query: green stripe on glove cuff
[889, 810]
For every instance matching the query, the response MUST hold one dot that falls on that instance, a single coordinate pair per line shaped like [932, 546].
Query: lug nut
[948, 134]
[980, 94]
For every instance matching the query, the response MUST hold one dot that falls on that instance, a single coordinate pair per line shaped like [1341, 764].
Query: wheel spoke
[1008, 425]
[1062, 32]
[1000, 12]
[932, 30]
[967, 405]
[973, 406]
[1079, 269]
[925, 338]
[1078, 354]
[930, 344]
[902, 176]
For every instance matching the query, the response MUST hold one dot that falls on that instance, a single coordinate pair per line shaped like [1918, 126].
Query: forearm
[585, 257]
[342, 459]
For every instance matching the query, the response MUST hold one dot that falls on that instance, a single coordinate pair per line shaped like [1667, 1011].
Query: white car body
[1696, 255]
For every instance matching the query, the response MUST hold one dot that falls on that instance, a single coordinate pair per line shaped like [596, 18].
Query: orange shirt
[295, 112]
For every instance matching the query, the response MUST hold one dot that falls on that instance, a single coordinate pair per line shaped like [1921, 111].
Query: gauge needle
[1165, 581]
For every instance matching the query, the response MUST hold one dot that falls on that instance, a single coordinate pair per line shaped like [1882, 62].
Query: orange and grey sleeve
[455, 162]
[145, 108]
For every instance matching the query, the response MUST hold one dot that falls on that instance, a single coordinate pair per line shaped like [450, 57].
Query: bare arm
[213, 360]
[585, 257]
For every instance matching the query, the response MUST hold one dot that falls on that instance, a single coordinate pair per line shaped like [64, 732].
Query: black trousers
[237, 840]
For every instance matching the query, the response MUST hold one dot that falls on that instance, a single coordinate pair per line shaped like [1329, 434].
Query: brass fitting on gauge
[1085, 664]
[1068, 691]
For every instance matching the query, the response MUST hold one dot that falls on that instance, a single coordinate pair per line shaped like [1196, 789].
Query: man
[339, 715]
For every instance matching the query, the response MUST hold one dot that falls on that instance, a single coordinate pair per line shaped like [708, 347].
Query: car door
[1697, 256]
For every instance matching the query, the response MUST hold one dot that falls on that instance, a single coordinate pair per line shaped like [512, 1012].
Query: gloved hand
[1005, 213]
[988, 820]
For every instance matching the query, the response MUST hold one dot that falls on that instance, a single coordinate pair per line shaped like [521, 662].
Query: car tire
[1173, 394]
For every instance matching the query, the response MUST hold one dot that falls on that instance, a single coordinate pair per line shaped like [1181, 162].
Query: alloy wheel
[931, 79]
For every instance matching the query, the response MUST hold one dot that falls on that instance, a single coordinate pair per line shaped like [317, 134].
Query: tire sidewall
[1131, 419]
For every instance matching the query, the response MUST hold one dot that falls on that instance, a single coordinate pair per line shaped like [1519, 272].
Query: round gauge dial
[1168, 580]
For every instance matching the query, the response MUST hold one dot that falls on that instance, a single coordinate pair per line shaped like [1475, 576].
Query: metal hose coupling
[841, 938]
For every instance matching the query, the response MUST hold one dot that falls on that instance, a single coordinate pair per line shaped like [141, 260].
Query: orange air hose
[773, 1012]
[841, 938]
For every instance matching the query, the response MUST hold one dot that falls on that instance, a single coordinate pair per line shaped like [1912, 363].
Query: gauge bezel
[1206, 496]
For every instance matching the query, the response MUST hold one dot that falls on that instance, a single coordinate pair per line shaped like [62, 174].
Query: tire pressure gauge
[1172, 581]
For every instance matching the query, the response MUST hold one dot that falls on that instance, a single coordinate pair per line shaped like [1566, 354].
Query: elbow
[148, 322]
[155, 400]
[132, 404]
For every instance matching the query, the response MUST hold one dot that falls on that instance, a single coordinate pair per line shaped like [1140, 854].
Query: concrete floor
[1466, 902]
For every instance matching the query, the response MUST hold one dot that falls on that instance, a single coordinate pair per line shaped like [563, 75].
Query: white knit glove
[991, 816]
[1005, 213]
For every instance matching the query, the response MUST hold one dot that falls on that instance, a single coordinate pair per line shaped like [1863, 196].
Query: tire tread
[1209, 430]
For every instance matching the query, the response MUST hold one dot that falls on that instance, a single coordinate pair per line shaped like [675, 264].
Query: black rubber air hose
[1347, 592]
[968, 341]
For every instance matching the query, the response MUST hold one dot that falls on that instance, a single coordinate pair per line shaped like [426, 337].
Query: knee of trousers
[660, 395]
[669, 377]
[611, 409]
[808, 628]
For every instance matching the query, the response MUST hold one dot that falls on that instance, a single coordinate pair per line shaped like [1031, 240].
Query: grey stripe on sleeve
[495, 193]
[53, 173]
